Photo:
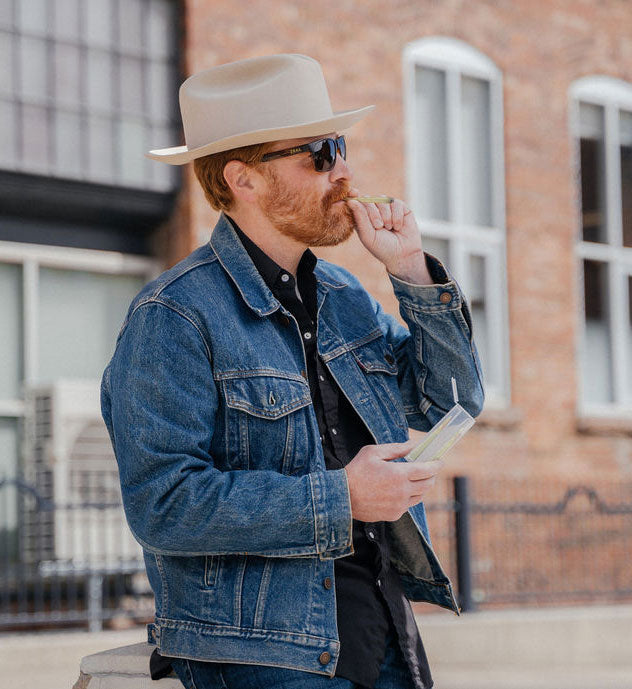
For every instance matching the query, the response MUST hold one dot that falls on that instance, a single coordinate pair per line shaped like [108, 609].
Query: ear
[242, 180]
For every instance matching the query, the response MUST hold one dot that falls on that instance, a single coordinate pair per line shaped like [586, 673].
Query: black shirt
[369, 597]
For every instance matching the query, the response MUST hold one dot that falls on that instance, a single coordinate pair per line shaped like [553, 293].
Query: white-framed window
[601, 127]
[455, 184]
[60, 314]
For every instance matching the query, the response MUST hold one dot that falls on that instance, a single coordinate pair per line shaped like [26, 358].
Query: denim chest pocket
[377, 361]
[266, 421]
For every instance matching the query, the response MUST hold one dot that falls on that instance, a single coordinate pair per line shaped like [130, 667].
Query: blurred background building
[507, 127]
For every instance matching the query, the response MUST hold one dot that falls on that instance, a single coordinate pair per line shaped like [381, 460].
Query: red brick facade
[541, 47]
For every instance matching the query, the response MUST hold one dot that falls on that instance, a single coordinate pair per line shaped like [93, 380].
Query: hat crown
[253, 94]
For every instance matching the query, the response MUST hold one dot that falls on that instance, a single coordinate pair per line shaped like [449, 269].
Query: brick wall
[540, 47]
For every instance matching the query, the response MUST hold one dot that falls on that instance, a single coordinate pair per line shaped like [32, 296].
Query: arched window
[455, 178]
[601, 125]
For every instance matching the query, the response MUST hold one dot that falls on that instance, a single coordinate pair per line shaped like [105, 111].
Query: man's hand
[389, 231]
[382, 490]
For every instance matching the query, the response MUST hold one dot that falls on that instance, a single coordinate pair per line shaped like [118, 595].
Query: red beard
[311, 219]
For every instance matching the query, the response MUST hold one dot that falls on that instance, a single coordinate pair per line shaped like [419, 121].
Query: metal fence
[534, 542]
[67, 564]
[502, 542]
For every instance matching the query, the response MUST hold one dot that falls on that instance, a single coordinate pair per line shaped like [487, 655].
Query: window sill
[503, 419]
[597, 425]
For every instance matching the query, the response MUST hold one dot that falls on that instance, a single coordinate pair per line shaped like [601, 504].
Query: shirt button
[327, 582]
[334, 431]
[307, 335]
[371, 534]
[324, 657]
[379, 583]
[321, 378]
[445, 298]
[285, 277]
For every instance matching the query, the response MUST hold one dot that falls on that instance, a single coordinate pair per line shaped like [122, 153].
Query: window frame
[32, 257]
[613, 95]
[456, 59]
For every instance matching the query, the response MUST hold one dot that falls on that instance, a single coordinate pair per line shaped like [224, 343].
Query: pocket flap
[376, 356]
[267, 396]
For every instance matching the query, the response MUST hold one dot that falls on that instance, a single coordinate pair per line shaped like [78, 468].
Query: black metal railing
[503, 542]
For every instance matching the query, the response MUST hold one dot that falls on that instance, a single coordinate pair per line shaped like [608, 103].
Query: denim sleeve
[436, 345]
[159, 401]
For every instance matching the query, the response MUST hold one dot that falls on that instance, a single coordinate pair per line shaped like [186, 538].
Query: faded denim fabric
[222, 470]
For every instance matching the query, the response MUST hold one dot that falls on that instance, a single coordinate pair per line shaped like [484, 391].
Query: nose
[341, 170]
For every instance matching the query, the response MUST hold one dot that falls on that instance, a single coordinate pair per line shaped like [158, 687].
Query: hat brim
[179, 155]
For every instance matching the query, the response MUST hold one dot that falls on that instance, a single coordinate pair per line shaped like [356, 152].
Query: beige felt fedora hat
[253, 101]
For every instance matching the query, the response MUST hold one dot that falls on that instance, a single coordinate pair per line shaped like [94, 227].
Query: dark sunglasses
[323, 152]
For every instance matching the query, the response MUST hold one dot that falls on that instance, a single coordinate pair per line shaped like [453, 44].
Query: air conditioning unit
[75, 515]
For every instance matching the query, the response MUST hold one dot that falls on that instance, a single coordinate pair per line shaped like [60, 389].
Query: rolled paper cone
[371, 199]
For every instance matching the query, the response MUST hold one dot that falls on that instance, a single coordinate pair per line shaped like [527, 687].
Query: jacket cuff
[332, 513]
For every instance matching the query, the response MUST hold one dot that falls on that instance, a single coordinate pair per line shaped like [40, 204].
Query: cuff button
[324, 657]
[445, 297]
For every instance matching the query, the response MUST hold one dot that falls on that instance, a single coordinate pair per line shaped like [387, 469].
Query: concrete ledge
[126, 667]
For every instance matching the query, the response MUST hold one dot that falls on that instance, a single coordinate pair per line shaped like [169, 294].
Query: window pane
[77, 336]
[33, 60]
[9, 469]
[431, 156]
[11, 359]
[67, 144]
[67, 74]
[597, 363]
[477, 299]
[131, 142]
[101, 150]
[439, 248]
[6, 14]
[476, 170]
[98, 16]
[625, 136]
[66, 22]
[99, 81]
[7, 134]
[6, 60]
[31, 16]
[162, 92]
[131, 86]
[130, 27]
[161, 28]
[35, 138]
[593, 173]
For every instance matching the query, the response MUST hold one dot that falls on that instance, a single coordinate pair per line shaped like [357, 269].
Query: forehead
[290, 143]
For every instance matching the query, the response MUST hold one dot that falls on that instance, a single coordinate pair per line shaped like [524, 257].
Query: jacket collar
[237, 263]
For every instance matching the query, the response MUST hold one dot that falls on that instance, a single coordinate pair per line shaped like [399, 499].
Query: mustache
[338, 193]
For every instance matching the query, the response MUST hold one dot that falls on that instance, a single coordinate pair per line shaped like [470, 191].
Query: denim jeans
[195, 674]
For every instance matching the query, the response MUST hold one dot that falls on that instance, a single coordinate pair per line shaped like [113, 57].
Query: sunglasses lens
[342, 146]
[324, 155]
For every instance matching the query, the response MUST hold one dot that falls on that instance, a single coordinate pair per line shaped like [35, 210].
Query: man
[258, 396]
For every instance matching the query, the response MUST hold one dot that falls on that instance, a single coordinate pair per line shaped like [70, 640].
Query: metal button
[445, 297]
[304, 374]
[307, 335]
[285, 320]
[324, 657]
[334, 431]
[285, 277]
[327, 582]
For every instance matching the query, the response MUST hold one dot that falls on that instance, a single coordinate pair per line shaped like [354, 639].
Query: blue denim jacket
[222, 470]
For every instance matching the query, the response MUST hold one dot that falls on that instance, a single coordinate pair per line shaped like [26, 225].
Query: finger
[385, 212]
[397, 214]
[394, 450]
[418, 471]
[420, 488]
[374, 216]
